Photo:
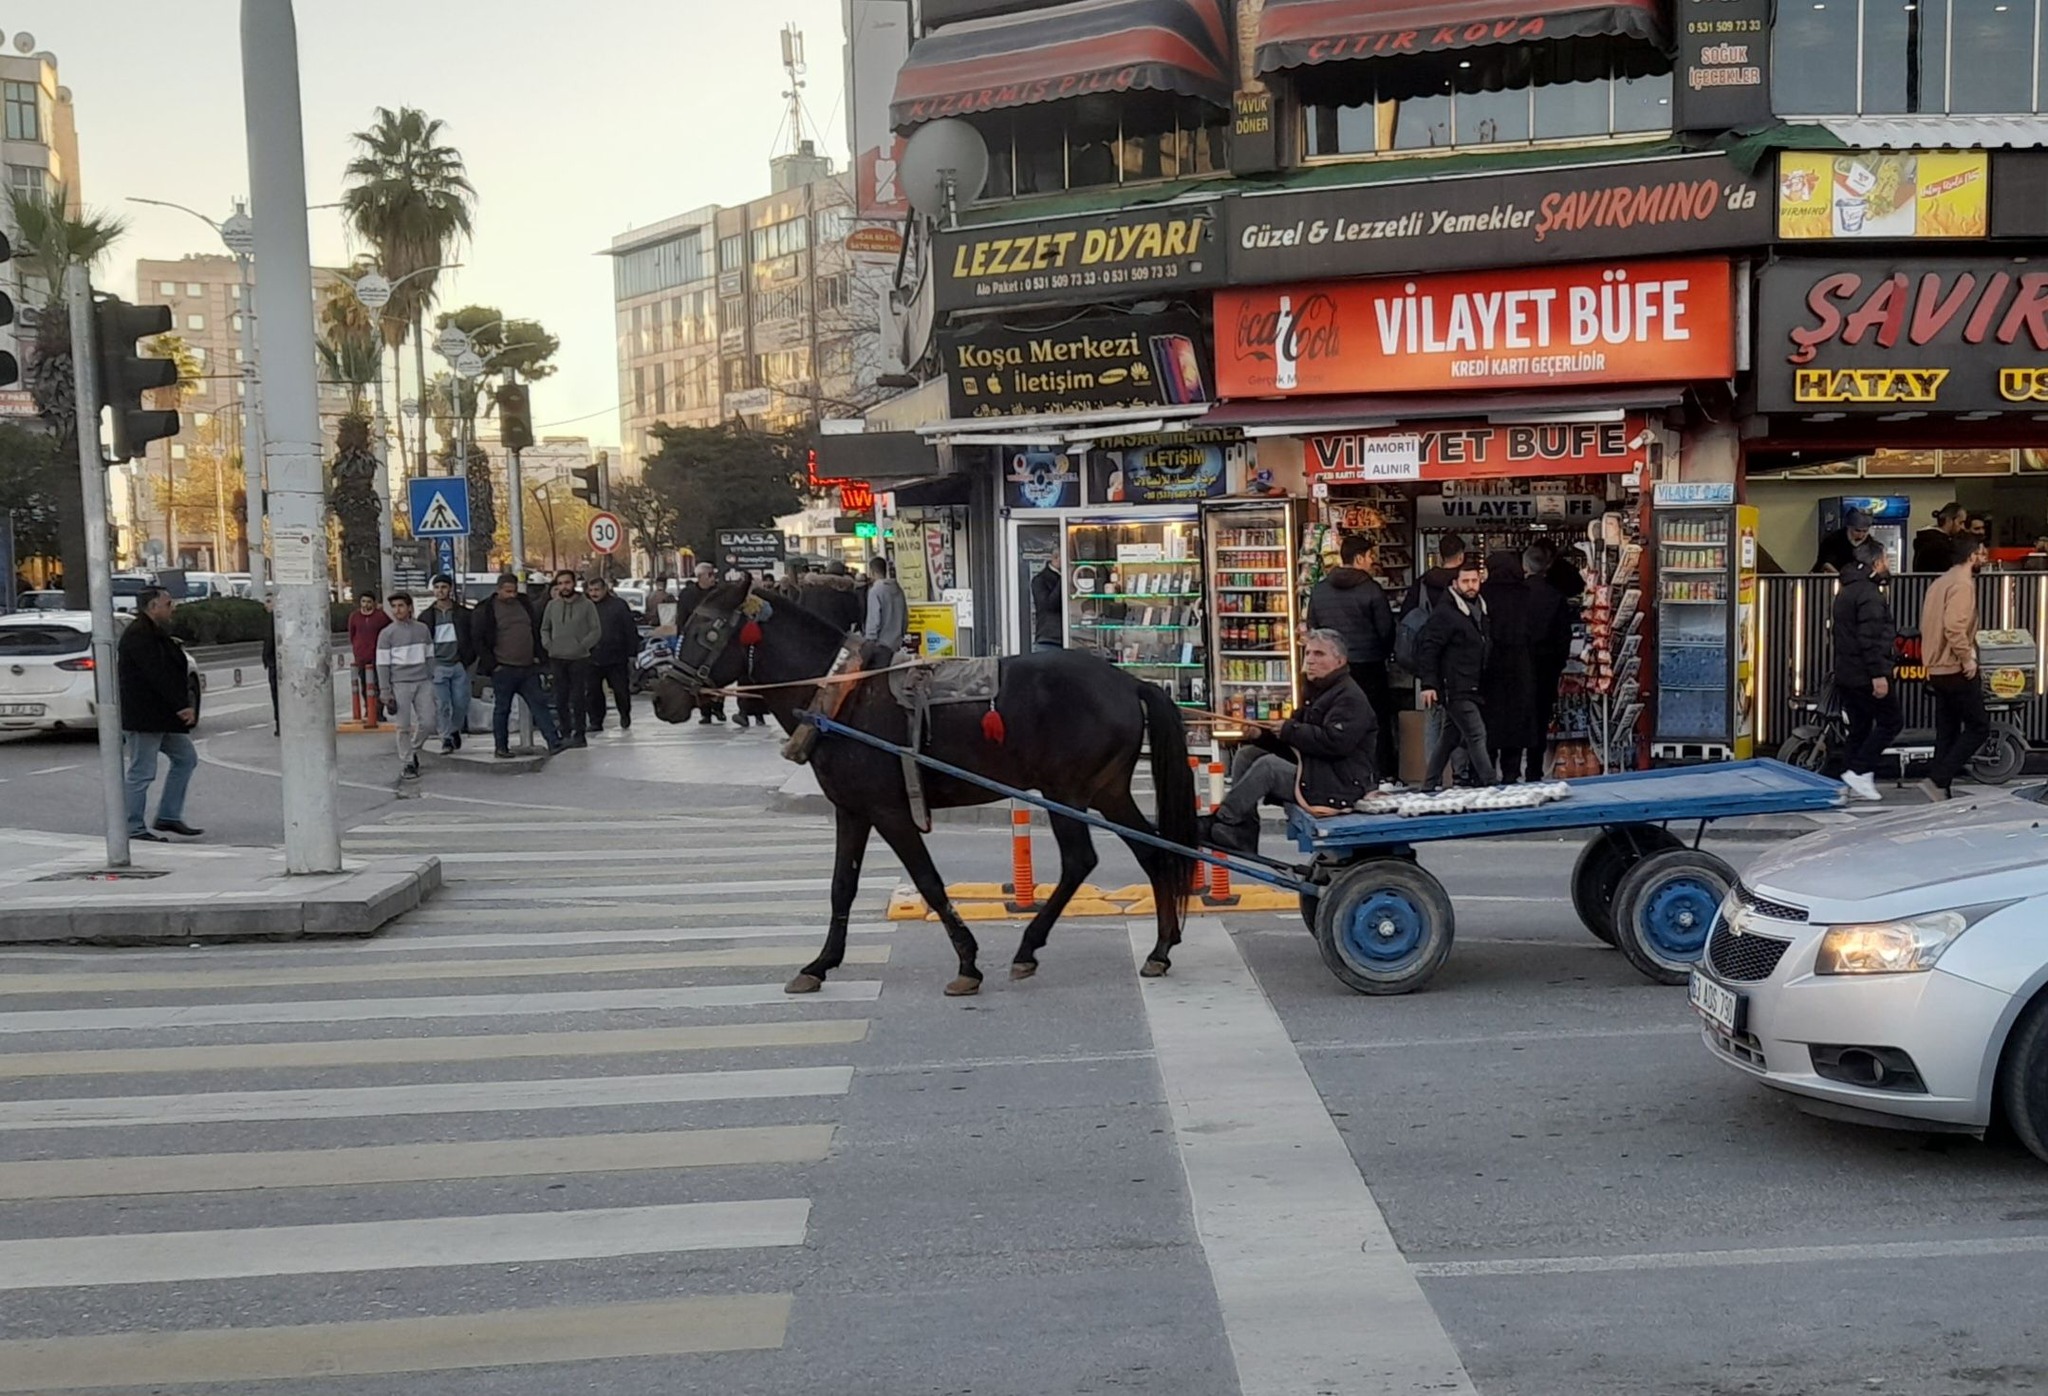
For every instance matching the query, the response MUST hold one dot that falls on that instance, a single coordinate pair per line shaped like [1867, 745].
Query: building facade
[39, 150]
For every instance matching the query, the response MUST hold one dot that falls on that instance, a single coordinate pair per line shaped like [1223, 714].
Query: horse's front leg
[1077, 860]
[908, 843]
[851, 849]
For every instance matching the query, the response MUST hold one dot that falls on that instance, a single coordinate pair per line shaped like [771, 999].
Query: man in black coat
[1517, 715]
[1048, 595]
[1865, 634]
[1321, 757]
[157, 714]
[1452, 659]
[1935, 549]
[611, 663]
[1352, 603]
[1550, 641]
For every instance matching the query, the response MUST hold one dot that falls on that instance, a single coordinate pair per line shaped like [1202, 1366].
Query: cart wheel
[1384, 926]
[1604, 862]
[2000, 758]
[1806, 750]
[1664, 908]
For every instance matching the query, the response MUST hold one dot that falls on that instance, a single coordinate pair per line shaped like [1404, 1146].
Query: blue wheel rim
[1384, 932]
[1676, 916]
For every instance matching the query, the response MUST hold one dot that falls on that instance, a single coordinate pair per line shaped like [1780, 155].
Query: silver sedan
[1895, 971]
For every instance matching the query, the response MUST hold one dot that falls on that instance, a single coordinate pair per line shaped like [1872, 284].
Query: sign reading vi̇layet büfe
[1074, 261]
[1083, 365]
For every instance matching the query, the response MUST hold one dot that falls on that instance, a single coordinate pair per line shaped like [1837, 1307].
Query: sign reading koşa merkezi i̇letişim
[1112, 361]
[1888, 336]
[1076, 261]
[1535, 327]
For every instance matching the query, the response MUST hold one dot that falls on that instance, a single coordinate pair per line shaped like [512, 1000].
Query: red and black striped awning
[1301, 33]
[1070, 50]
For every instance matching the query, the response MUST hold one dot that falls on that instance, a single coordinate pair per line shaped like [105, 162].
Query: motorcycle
[1822, 735]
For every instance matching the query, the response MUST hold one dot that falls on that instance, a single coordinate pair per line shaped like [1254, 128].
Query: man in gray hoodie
[405, 676]
[570, 629]
[888, 612]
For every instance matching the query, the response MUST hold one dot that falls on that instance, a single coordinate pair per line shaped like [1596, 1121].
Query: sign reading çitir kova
[1634, 208]
[1076, 260]
[1882, 336]
[1083, 365]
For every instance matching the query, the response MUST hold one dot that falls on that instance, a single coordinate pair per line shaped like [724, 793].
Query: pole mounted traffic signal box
[126, 375]
[515, 417]
[589, 486]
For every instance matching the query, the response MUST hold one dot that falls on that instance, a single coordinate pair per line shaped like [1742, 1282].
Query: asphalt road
[633, 1165]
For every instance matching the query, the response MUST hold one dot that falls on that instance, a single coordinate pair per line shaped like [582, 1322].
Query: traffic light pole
[291, 419]
[99, 569]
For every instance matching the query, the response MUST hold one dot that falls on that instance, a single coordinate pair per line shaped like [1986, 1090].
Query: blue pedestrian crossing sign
[440, 507]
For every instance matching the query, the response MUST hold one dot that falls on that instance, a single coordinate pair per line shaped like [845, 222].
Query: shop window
[1975, 56]
[1811, 68]
[1991, 55]
[1091, 142]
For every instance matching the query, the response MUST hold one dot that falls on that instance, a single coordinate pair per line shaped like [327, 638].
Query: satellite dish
[944, 165]
[24, 42]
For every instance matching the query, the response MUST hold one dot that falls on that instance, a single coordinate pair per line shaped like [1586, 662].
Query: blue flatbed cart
[1384, 923]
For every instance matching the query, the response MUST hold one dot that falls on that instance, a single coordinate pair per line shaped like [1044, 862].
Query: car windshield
[130, 586]
[43, 639]
[41, 601]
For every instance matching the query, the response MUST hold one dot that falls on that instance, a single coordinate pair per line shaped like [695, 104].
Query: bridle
[705, 637]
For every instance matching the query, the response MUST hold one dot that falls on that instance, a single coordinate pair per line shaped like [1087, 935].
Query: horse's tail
[1173, 780]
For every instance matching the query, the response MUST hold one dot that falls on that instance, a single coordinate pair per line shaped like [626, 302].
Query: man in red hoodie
[365, 623]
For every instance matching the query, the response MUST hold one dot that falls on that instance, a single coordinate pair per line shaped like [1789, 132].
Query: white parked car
[126, 589]
[1896, 971]
[46, 672]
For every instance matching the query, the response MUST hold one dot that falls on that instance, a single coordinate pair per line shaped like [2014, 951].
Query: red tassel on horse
[992, 726]
[750, 633]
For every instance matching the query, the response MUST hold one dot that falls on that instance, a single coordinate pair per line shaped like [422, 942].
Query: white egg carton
[1415, 805]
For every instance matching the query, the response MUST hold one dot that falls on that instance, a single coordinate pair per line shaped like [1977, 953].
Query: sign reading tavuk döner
[1536, 327]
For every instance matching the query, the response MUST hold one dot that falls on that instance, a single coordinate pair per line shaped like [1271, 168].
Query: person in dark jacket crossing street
[1452, 659]
[1351, 602]
[1865, 634]
[1321, 757]
[1517, 714]
[509, 653]
[454, 652]
[157, 716]
[611, 663]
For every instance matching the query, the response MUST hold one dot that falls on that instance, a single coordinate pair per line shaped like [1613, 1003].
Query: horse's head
[708, 651]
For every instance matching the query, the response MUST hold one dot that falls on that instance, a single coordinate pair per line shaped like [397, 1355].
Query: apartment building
[39, 149]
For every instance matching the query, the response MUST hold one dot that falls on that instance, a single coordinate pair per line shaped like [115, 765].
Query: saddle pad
[946, 681]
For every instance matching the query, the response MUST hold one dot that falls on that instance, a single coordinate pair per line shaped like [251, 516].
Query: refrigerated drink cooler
[1705, 589]
[1252, 549]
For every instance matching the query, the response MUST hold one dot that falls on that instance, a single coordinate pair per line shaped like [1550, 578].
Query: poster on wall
[1829, 194]
[938, 551]
[1164, 474]
[908, 555]
[1539, 327]
[1100, 362]
[1040, 477]
[878, 40]
[934, 626]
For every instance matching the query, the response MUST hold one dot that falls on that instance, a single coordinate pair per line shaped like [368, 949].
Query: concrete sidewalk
[55, 887]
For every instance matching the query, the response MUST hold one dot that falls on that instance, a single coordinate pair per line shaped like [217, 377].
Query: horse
[1071, 725]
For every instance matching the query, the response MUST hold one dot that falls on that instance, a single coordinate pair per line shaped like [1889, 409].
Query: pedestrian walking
[1425, 594]
[157, 716]
[454, 652]
[1936, 549]
[509, 653]
[1517, 720]
[364, 624]
[611, 663]
[1948, 645]
[1048, 598]
[888, 613]
[1838, 549]
[1452, 657]
[1865, 635]
[405, 675]
[270, 659]
[569, 632]
[710, 707]
[1550, 643]
[1351, 602]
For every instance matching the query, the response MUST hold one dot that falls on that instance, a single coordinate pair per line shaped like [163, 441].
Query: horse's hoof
[963, 987]
[804, 984]
[1023, 969]
[1155, 969]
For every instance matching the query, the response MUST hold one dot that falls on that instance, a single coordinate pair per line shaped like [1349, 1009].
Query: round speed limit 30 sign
[606, 533]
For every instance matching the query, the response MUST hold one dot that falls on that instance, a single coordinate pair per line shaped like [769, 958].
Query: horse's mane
[785, 606]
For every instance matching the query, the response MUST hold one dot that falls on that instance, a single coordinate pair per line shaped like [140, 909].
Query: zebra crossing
[562, 1116]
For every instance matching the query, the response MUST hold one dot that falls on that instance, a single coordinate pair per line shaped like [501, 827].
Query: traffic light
[125, 375]
[10, 367]
[590, 485]
[515, 417]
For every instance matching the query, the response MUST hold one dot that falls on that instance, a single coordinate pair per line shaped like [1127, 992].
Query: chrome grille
[1744, 959]
[1764, 906]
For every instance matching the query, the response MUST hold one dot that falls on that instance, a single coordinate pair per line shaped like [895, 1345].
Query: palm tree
[49, 242]
[352, 353]
[410, 198]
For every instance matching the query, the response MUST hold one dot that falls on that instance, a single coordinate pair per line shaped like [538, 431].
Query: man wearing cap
[509, 653]
[1838, 549]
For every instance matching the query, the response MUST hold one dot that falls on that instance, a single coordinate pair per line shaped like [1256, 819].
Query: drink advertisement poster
[1828, 194]
[1541, 327]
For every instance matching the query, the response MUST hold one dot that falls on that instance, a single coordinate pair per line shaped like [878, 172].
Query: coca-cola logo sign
[1281, 332]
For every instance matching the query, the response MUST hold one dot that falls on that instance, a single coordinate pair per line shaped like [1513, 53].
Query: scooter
[1822, 735]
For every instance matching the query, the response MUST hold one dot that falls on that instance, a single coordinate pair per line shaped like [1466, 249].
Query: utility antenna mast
[793, 67]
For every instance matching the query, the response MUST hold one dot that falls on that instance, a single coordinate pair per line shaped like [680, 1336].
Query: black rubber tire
[1419, 925]
[1808, 753]
[1602, 864]
[1311, 903]
[2023, 1079]
[2002, 757]
[1648, 906]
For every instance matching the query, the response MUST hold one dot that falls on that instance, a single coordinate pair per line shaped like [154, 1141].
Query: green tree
[409, 197]
[36, 478]
[518, 349]
[651, 520]
[48, 242]
[351, 352]
[523, 348]
[725, 477]
[352, 497]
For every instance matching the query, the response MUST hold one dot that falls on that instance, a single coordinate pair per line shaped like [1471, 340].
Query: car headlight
[1909, 946]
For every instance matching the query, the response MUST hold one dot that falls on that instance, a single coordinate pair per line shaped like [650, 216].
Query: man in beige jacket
[1948, 644]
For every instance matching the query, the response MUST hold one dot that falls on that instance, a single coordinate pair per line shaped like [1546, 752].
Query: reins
[736, 689]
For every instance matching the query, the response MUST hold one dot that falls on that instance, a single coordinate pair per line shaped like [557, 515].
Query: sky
[578, 122]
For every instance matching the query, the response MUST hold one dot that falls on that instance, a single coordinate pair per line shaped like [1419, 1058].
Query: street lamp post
[373, 292]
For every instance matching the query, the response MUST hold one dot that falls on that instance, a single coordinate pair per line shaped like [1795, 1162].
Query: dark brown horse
[1073, 726]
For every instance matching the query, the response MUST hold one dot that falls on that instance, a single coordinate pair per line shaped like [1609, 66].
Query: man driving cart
[1321, 758]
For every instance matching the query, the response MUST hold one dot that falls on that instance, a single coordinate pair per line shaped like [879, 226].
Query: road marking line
[509, 1238]
[1763, 1255]
[518, 967]
[1295, 1243]
[55, 770]
[216, 1015]
[569, 859]
[43, 1179]
[1348, 1049]
[409, 1051]
[669, 891]
[431, 1098]
[412, 939]
[384, 1347]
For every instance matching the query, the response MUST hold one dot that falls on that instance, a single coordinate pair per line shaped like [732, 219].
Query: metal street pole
[252, 438]
[387, 573]
[99, 572]
[298, 497]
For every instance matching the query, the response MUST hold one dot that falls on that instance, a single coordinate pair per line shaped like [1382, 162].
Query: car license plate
[21, 709]
[1719, 1006]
